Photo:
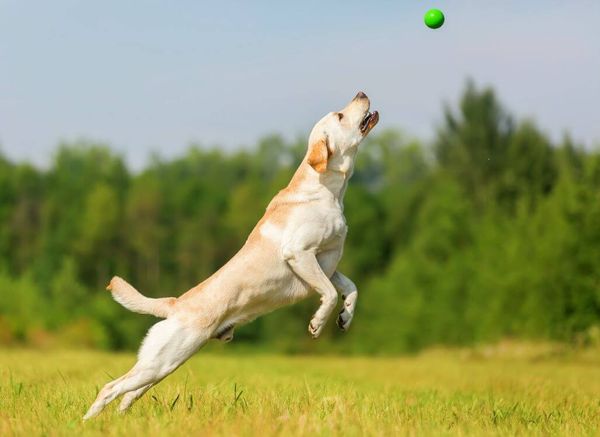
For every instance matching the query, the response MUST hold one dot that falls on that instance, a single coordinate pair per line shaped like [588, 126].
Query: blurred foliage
[493, 230]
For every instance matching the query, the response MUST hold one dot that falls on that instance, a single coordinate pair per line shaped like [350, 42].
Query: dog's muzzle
[369, 122]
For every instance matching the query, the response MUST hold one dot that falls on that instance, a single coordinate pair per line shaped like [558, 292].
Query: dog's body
[293, 250]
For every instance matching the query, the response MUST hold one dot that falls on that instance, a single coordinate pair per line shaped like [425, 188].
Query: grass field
[486, 392]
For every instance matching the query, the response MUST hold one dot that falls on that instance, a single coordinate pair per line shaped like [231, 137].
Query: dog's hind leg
[130, 397]
[225, 334]
[167, 345]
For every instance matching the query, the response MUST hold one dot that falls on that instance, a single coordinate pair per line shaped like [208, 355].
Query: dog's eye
[340, 116]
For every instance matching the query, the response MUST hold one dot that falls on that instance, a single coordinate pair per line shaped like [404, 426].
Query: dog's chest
[319, 227]
[334, 231]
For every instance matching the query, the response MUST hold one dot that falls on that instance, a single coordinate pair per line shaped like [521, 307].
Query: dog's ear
[318, 154]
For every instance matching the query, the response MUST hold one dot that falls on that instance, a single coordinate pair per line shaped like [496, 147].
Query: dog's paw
[225, 335]
[344, 319]
[315, 328]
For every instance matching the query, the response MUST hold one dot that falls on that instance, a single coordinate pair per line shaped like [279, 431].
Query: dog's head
[334, 139]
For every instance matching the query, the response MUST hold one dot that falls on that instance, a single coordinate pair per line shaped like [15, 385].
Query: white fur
[293, 251]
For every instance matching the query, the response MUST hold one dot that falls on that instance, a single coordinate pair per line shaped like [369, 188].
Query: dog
[292, 252]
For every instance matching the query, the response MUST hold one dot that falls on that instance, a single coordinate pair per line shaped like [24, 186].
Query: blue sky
[155, 75]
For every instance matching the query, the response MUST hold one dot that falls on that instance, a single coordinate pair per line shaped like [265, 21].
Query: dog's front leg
[304, 263]
[349, 293]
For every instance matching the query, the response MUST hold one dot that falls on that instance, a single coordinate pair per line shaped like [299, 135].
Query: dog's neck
[333, 182]
[336, 182]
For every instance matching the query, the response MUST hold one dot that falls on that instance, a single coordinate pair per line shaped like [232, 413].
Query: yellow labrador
[293, 250]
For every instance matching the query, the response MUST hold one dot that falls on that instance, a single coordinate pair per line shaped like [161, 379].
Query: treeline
[492, 230]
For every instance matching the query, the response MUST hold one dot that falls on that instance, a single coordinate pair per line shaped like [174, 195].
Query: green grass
[435, 393]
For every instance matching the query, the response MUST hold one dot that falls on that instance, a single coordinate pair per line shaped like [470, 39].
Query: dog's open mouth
[370, 120]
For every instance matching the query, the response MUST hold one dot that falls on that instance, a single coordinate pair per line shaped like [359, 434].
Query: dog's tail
[134, 301]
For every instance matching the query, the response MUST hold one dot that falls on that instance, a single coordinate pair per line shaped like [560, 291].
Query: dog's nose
[360, 95]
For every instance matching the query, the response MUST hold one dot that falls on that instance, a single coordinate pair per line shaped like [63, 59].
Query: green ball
[434, 18]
